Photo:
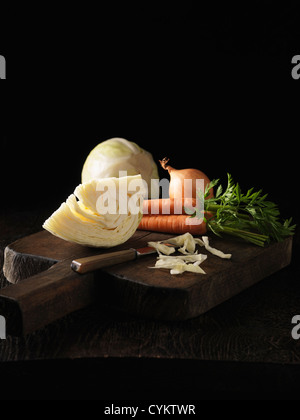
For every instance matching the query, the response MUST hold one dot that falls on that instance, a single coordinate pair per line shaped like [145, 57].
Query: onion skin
[177, 177]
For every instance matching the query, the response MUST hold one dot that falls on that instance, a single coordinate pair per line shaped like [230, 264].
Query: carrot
[167, 206]
[171, 224]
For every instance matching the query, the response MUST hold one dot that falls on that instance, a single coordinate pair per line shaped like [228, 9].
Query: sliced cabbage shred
[190, 260]
[161, 248]
[79, 221]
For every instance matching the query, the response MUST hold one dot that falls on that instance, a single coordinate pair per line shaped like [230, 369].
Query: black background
[210, 89]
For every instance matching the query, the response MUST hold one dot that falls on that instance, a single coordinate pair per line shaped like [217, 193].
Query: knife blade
[88, 264]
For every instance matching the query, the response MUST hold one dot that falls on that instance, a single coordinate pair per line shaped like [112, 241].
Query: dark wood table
[241, 349]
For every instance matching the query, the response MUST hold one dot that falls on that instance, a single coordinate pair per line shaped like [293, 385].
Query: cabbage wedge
[106, 214]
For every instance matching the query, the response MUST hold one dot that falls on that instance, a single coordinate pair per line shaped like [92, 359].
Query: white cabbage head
[117, 155]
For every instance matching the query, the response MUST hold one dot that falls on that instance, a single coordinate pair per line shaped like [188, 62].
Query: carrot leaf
[249, 216]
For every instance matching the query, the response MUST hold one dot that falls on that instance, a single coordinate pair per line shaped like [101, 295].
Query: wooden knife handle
[89, 264]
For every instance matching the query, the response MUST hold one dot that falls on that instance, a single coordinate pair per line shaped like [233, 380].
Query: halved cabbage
[107, 214]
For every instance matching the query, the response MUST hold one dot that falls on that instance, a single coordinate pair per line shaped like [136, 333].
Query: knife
[88, 264]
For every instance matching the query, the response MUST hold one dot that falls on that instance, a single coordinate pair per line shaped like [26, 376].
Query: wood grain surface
[254, 326]
[43, 295]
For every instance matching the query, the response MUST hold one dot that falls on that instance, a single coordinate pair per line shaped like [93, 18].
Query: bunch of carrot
[250, 217]
[177, 222]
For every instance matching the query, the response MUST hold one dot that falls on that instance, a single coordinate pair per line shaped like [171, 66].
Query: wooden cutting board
[46, 288]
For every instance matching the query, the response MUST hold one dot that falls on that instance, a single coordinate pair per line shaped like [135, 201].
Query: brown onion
[177, 177]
